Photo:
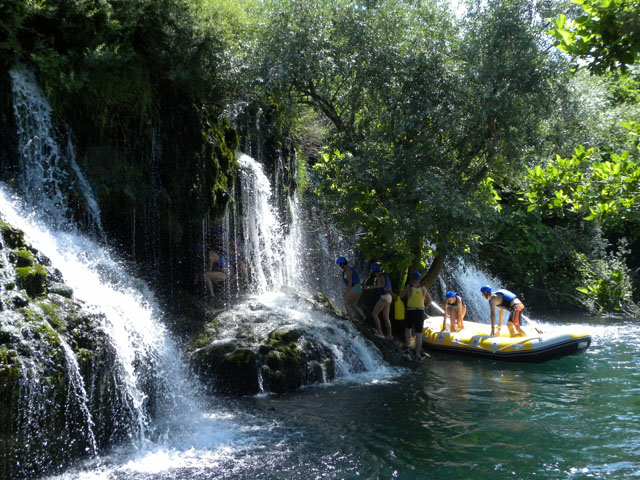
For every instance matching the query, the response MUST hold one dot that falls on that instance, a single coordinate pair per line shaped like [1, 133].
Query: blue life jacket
[355, 279]
[387, 284]
[507, 298]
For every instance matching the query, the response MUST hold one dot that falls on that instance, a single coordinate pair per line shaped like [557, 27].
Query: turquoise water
[457, 418]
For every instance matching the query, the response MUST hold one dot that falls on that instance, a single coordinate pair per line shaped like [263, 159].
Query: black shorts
[414, 319]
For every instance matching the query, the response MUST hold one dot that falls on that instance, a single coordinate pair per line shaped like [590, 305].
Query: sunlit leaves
[606, 190]
[607, 36]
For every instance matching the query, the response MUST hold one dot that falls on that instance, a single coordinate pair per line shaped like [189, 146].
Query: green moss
[84, 356]
[241, 356]
[13, 237]
[54, 315]
[32, 279]
[202, 340]
[31, 315]
[45, 332]
[23, 258]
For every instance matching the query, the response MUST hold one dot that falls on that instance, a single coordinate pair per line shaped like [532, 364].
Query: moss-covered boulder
[59, 394]
[230, 368]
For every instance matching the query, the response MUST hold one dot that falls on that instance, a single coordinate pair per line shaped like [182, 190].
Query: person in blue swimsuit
[353, 289]
[456, 309]
[504, 300]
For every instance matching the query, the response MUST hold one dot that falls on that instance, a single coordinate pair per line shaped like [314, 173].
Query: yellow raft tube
[475, 340]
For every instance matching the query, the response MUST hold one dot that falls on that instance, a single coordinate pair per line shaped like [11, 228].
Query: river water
[576, 417]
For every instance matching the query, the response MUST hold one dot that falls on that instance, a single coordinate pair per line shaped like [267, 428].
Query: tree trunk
[431, 276]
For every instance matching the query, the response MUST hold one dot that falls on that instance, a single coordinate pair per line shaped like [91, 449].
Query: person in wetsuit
[504, 300]
[353, 289]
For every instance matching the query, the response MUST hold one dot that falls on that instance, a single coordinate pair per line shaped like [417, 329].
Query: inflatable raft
[474, 340]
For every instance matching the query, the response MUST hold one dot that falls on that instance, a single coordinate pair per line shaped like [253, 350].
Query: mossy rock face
[23, 257]
[13, 237]
[33, 279]
[61, 289]
[43, 418]
[227, 368]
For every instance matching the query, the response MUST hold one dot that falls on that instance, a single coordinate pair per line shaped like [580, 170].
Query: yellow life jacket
[416, 299]
[398, 311]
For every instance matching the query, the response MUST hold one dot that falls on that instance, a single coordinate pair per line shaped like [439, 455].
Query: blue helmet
[341, 260]
[485, 289]
[451, 294]
[375, 267]
[416, 275]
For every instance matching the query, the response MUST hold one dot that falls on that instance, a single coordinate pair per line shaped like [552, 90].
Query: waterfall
[150, 372]
[48, 171]
[469, 279]
[261, 227]
[282, 268]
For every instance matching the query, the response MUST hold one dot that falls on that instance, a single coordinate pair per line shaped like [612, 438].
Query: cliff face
[59, 400]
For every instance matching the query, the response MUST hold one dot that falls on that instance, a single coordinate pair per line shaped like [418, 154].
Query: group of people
[416, 295]
[416, 298]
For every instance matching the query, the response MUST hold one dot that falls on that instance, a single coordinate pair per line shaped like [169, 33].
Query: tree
[422, 111]
[607, 36]
[600, 181]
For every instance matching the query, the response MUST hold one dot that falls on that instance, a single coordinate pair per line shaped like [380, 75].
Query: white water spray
[261, 227]
[46, 168]
[145, 353]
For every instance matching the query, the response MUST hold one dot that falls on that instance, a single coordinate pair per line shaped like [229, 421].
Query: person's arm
[426, 297]
[492, 306]
[444, 319]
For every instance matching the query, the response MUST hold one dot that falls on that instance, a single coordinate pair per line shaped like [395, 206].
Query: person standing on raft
[417, 300]
[354, 288]
[455, 307]
[504, 300]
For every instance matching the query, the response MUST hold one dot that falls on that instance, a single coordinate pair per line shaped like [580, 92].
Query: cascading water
[279, 268]
[46, 167]
[469, 280]
[156, 396]
[261, 227]
[159, 409]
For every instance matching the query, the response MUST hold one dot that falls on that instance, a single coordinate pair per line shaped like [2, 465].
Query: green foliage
[607, 190]
[109, 58]
[420, 111]
[607, 36]
[530, 251]
[606, 283]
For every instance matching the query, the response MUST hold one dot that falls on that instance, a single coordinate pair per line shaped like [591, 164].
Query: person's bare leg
[376, 311]
[387, 321]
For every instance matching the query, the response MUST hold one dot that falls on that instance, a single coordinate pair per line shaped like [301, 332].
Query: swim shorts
[414, 318]
[514, 317]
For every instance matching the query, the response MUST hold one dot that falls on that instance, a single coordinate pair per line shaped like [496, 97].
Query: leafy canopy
[425, 112]
[607, 35]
